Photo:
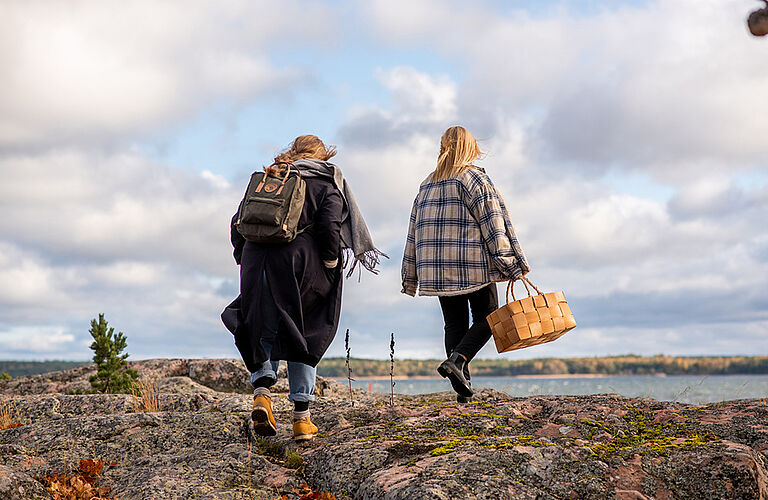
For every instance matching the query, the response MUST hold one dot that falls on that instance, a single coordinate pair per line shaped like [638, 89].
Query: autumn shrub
[308, 493]
[81, 486]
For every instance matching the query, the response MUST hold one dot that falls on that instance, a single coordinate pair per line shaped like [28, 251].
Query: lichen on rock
[200, 443]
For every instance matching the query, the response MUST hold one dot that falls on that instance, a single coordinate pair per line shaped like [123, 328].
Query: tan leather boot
[263, 420]
[304, 429]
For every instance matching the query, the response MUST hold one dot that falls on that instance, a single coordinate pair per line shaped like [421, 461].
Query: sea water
[683, 388]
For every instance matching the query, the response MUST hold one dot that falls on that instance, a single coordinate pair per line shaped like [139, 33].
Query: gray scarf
[354, 233]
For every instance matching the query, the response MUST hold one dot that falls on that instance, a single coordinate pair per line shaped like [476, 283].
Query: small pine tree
[113, 374]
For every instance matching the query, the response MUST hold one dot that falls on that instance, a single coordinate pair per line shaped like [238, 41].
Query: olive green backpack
[272, 205]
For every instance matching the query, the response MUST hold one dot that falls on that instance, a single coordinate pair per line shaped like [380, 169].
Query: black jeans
[459, 335]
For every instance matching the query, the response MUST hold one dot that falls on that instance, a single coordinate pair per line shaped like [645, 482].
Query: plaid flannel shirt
[460, 237]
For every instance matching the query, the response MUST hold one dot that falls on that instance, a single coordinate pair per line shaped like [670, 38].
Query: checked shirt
[460, 237]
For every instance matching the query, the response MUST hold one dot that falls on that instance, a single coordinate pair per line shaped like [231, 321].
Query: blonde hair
[306, 147]
[458, 149]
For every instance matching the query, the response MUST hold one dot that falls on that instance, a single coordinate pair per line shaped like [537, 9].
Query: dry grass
[145, 396]
[9, 417]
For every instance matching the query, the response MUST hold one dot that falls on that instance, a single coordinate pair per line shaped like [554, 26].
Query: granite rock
[200, 444]
[16, 485]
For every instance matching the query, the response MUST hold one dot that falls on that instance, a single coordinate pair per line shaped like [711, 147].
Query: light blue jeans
[301, 377]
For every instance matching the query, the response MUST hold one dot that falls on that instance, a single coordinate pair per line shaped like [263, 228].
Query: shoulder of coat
[427, 180]
[474, 179]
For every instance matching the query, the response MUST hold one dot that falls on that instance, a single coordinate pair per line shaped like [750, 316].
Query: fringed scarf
[355, 238]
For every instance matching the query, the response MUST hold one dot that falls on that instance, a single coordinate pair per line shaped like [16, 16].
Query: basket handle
[526, 282]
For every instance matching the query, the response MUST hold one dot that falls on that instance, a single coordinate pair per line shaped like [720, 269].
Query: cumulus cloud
[419, 104]
[715, 196]
[91, 206]
[145, 243]
[23, 278]
[41, 340]
[102, 71]
[643, 86]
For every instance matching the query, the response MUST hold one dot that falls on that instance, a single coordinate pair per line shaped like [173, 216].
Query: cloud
[419, 104]
[159, 307]
[106, 71]
[664, 83]
[716, 196]
[83, 206]
[145, 243]
[40, 340]
[23, 278]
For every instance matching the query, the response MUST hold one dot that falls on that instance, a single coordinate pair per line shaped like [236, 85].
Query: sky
[629, 140]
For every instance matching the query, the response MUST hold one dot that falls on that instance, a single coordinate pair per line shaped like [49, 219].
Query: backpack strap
[287, 172]
[261, 184]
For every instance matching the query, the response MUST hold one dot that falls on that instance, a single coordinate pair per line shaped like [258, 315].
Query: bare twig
[349, 369]
[392, 369]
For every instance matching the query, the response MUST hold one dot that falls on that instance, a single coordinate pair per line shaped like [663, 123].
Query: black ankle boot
[452, 369]
[465, 372]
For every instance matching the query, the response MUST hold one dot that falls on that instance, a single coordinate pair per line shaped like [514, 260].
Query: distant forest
[613, 365]
[19, 368]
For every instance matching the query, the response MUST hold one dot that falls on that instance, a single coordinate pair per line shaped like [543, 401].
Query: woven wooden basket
[533, 320]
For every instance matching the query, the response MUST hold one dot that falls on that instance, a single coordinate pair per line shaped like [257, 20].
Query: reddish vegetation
[82, 486]
[307, 493]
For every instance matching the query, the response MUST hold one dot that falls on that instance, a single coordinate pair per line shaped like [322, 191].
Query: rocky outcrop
[17, 485]
[222, 375]
[200, 444]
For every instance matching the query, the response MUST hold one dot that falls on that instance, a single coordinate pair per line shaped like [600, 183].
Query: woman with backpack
[460, 243]
[290, 291]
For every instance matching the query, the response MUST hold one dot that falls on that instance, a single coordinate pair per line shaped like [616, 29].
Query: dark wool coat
[307, 294]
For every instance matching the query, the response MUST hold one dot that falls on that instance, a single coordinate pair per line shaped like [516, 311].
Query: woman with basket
[460, 243]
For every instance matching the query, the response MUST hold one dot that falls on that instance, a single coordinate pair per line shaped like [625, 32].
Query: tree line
[19, 368]
[610, 365]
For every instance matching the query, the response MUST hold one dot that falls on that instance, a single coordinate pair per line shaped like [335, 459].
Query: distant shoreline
[549, 375]
[537, 368]
[595, 367]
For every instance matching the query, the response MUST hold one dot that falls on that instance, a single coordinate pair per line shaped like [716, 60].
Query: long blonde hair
[305, 147]
[458, 149]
